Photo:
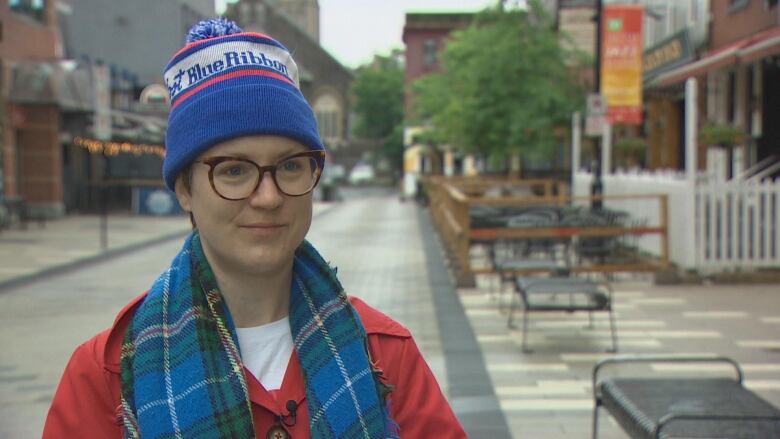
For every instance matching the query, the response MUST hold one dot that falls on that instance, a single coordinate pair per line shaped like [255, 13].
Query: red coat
[86, 402]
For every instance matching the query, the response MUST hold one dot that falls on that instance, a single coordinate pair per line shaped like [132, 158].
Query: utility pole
[597, 187]
[597, 71]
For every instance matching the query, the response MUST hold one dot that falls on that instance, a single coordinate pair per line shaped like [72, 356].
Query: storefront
[664, 105]
[739, 86]
[49, 102]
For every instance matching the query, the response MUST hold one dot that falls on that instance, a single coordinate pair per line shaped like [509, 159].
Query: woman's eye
[291, 165]
[234, 170]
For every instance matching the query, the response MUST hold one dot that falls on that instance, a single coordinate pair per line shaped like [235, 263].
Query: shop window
[31, 8]
[737, 5]
[429, 52]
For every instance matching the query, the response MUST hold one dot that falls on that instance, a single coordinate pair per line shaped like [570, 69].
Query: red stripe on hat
[221, 37]
[238, 74]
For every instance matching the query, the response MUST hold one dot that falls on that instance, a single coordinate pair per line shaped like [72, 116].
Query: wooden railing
[451, 200]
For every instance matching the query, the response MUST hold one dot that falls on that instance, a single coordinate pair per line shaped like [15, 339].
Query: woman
[249, 332]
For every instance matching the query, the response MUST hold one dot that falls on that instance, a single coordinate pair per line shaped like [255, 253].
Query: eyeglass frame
[212, 162]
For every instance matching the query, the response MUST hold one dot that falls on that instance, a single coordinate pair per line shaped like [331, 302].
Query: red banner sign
[621, 63]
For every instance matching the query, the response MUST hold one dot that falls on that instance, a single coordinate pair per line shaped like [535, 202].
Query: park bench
[682, 407]
[559, 293]
[14, 210]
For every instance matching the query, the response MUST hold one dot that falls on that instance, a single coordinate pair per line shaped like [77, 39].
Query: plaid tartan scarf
[181, 369]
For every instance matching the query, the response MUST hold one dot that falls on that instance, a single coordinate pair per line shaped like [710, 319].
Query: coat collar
[110, 342]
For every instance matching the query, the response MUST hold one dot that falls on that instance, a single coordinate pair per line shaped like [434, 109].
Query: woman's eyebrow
[273, 158]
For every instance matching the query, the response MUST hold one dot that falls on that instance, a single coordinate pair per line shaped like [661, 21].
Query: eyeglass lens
[237, 179]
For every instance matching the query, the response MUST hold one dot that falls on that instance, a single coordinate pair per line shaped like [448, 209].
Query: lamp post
[104, 202]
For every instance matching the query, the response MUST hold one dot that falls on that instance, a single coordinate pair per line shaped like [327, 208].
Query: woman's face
[256, 235]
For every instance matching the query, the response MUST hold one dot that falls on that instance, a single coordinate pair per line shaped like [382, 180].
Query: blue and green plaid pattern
[341, 390]
[181, 369]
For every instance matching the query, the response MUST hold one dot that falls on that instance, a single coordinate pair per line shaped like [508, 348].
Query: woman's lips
[264, 229]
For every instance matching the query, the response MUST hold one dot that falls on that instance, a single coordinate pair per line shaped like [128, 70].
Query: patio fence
[455, 201]
[738, 225]
[714, 225]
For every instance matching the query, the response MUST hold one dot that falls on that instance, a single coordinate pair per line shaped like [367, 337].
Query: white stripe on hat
[224, 57]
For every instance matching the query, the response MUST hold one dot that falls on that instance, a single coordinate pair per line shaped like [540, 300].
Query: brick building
[746, 90]
[739, 77]
[31, 118]
[126, 63]
[425, 36]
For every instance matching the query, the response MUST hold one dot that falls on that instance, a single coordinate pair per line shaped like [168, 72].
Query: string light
[114, 148]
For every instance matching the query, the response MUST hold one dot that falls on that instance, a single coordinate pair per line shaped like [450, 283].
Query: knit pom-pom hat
[227, 83]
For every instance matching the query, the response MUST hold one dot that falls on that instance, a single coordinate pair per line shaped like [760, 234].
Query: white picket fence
[737, 225]
[648, 212]
[713, 226]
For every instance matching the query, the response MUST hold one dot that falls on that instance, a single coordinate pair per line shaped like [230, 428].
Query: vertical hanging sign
[102, 88]
[621, 63]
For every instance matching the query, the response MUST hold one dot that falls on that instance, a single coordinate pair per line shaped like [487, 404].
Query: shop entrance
[769, 143]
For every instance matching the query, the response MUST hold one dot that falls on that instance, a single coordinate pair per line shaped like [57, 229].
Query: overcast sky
[354, 30]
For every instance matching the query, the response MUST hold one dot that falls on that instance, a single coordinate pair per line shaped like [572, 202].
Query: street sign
[595, 115]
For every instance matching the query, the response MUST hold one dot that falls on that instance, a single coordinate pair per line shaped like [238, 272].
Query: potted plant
[723, 135]
[631, 150]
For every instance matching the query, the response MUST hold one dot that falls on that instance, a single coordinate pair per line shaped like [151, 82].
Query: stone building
[324, 81]
[303, 13]
[134, 38]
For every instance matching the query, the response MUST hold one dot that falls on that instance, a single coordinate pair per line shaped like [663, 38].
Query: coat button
[277, 432]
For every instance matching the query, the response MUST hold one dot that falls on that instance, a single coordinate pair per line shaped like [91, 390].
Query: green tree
[507, 84]
[378, 92]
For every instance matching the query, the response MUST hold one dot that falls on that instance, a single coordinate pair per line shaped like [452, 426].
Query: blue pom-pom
[213, 27]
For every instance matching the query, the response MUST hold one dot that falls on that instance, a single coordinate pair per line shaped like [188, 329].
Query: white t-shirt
[266, 350]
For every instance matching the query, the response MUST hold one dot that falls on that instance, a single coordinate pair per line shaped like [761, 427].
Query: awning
[744, 51]
[63, 83]
[761, 49]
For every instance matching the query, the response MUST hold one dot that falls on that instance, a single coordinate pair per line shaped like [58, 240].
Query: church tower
[303, 13]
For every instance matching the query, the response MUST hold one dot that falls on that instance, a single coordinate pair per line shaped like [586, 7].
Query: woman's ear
[183, 194]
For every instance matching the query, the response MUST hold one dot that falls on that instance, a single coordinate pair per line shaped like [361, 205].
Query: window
[771, 4]
[429, 52]
[737, 5]
[31, 8]
[731, 90]
[328, 113]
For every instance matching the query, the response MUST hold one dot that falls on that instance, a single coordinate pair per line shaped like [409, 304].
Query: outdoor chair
[690, 407]
[509, 258]
[486, 217]
[558, 293]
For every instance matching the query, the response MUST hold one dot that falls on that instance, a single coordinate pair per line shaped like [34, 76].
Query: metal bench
[567, 294]
[664, 407]
[14, 209]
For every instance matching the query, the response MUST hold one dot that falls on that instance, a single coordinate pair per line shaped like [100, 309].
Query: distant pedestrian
[249, 332]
